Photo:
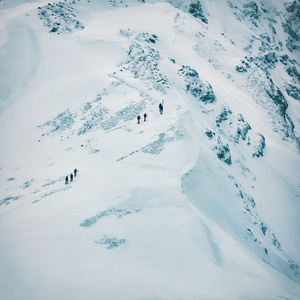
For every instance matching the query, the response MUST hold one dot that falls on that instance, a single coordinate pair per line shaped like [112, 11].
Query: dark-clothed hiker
[139, 119]
[71, 177]
[67, 180]
[145, 117]
[75, 172]
[161, 108]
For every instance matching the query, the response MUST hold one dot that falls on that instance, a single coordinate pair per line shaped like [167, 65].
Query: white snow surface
[181, 206]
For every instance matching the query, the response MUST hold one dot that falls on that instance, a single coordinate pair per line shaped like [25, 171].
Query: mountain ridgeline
[274, 43]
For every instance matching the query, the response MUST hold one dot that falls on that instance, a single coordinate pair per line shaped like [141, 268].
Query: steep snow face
[200, 201]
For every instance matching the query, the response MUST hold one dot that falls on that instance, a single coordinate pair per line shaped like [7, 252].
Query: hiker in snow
[145, 117]
[75, 172]
[67, 180]
[71, 177]
[161, 108]
[139, 119]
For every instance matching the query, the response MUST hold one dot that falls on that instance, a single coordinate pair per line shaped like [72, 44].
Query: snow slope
[201, 202]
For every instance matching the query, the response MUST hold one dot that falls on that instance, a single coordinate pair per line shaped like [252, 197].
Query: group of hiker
[74, 173]
[139, 118]
[71, 176]
[161, 109]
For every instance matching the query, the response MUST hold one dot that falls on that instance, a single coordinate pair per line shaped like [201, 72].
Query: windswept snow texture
[200, 201]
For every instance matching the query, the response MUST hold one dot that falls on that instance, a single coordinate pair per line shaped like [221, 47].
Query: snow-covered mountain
[200, 202]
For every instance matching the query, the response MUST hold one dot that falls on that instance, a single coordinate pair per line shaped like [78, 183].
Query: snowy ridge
[201, 202]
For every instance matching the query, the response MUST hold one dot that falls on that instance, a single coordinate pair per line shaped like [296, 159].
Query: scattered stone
[284, 59]
[292, 25]
[59, 17]
[223, 116]
[210, 134]
[157, 146]
[61, 122]
[27, 184]
[293, 91]
[243, 67]
[259, 146]
[278, 98]
[143, 61]
[242, 129]
[118, 212]
[111, 242]
[294, 267]
[293, 72]
[251, 10]
[7, 200]
[263, 228]
[266, 62]
[224, 155]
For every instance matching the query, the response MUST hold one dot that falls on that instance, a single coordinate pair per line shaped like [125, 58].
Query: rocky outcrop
[59, 17]
[201, 90]
[292, 25]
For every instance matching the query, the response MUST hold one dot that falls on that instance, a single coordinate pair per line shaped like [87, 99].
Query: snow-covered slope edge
[203, 197]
